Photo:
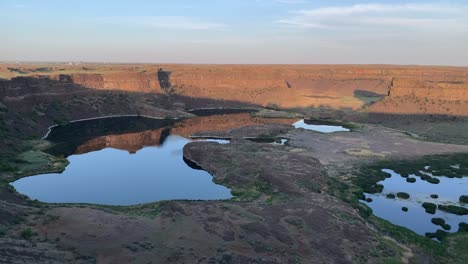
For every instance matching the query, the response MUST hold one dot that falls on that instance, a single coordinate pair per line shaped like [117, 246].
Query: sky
[236, 31]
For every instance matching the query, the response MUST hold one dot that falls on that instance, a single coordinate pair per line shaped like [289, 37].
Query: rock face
[453, 89]
[438, 94]
[289, 86]
[128, 81]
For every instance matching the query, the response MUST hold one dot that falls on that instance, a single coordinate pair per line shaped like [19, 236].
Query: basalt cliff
[398, 89]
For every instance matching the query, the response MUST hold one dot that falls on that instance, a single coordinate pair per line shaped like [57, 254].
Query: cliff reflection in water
[134, 133]
[130, 160]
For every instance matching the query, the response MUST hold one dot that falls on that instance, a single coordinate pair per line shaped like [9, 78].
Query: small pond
[320, 126]
[409, 212]
[130, 160]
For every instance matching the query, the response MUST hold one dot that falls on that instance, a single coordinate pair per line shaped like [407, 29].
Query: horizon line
[221, 64]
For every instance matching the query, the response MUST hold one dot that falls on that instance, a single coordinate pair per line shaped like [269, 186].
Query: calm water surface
[135, 160]
[449, 191]
[319, 127]
[116, 177]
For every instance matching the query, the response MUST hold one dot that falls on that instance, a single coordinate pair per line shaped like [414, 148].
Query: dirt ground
[369, 141]
[283, 210]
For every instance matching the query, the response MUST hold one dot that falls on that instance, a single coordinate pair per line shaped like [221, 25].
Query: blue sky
[237, 31]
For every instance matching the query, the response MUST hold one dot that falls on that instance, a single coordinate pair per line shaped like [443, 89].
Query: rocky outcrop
[426, 95]
[27, 86]
[128, 81]
[452, 89]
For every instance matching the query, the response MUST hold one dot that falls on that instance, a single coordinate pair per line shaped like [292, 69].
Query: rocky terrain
[293, 203]
[433, 95]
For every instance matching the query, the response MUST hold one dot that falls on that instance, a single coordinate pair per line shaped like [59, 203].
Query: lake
[130, 160]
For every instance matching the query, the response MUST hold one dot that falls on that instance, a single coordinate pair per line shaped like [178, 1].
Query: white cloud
[376, 8]
[381, 16]
[291, 1]
[299, 23]
[165, 22]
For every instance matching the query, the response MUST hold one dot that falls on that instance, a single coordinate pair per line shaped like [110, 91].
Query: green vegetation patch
[430, 179]
[411, 180]
[453, 209]
[6, 165]
[439, 235]
[441, 222]
[403, 195]
[463, 227]
[437, 165]
[429, 207]
[27, 234]
[463, 199]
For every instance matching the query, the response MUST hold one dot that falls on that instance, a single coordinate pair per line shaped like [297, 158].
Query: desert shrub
[463, 227]
[411, 180]
[453, 209]
[430, 179]
[464, 199]
[441, 222]
[7, 167]
[439, 234]
[295, 222]
[429, 207]
[403, 195]
[360, 195]
[27, 234]
[376, 188]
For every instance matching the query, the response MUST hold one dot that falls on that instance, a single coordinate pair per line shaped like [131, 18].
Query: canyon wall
[426, 95]
[286, 86]
[128, 81]
[452, 89]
